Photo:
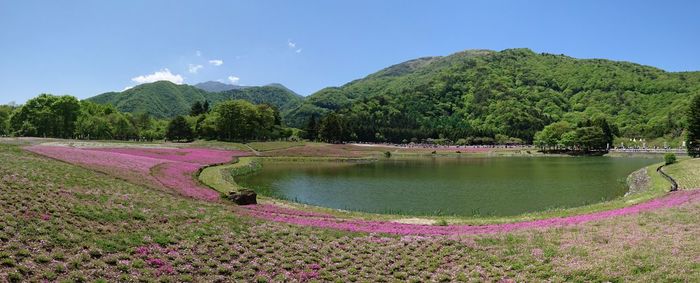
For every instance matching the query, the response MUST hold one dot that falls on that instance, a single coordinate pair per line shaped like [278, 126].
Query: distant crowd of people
[648, 149]
[437, 146]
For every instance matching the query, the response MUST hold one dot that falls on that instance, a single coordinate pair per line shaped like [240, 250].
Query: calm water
[461, 186]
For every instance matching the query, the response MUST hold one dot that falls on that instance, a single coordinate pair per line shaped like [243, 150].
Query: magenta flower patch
[302, 218]
[172, 168]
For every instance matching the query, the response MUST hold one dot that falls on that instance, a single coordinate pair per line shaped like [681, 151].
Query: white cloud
[198, 53]
[291, 44]
[194, 68]
[298, 50]
[234, 79]
[162, 75]
[216, 62]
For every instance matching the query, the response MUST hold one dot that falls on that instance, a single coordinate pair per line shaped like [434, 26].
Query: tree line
[67, 117]
[232, 120]
[239, 120]
[585, 137]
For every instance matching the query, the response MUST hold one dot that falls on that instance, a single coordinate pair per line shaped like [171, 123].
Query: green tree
[5, 112]
[46, 115]
[121, 127]
[550, 136]
[590, 138]
[567, 140]
[608, 130]
[669, 158]
[312, 128]
[693, 135]
[179, 130]
[205, 106]
[206, 126]
[331, 128]
[197, 109]
[93, 127]
[66, 110]
[264, 121]
[236, 119]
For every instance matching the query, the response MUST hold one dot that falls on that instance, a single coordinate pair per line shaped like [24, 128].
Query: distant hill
[513, 92]
[214, 86]
[164, 99]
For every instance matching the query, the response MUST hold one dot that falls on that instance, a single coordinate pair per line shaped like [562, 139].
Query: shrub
[387, 154]
[14, 277]
[42, 259]
[670, 158]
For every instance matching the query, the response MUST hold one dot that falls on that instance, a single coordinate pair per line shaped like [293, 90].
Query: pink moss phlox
[165, 269]
[155, 262]
[202, 156]
[178, 176]
[110, 160]
[142, 251]
[356, 225]
[176, 166]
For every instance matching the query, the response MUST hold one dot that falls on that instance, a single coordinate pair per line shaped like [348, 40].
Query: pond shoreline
[473, 164]
[293, 213]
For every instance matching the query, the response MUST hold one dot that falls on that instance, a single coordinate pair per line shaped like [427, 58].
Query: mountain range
[513, 92]
[164, 99]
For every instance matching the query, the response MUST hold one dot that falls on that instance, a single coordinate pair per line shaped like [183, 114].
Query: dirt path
[257, 153]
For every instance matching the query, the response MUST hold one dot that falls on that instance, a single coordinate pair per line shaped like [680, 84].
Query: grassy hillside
[165, 99]
[514, 92]
[686, 173]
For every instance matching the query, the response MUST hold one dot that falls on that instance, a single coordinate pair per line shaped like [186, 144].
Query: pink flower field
[189, 155]
[292, 216]
[172, 168]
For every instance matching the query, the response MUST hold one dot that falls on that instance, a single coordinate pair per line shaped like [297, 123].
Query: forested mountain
[164, 99]
[514, 92]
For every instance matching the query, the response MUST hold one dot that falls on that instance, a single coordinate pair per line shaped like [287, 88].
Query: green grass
[686, 172]
[218, 144]
[274, 145]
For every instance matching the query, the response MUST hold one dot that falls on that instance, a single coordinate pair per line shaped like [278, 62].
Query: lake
[488, 186]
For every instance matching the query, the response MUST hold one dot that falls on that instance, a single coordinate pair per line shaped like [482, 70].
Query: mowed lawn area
[60, 222]
[686, 173]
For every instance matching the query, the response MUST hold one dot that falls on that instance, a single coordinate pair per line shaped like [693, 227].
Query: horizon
[89, 48]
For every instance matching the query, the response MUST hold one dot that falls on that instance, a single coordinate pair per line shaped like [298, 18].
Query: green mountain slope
[514, 92]
[161, 99]
[165, 99]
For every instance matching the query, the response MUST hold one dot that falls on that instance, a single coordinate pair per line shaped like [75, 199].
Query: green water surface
[493, 186]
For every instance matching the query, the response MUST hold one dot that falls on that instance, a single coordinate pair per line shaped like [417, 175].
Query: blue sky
[84, 48]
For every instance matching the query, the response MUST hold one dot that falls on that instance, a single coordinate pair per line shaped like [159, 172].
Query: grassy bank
[221, 177]
[686, 173]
